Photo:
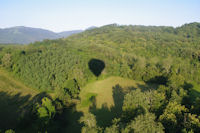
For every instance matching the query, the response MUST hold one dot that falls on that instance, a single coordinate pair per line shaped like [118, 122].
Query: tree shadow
[16, 112]
[66, 120]
[96, 66]
[12, 109]
[72, 118]
[38, 97]
[162, 80]
[193, 94]
[145, 87]
[105, 114]
[118, 97]
[27, 121]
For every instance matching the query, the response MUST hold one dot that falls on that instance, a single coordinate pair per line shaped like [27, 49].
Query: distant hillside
[91, 27]
[68, 33]
[25, 35]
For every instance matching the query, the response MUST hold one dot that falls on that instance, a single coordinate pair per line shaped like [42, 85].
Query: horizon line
[83, 29]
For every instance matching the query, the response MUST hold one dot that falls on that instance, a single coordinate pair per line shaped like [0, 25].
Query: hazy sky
[61, 15]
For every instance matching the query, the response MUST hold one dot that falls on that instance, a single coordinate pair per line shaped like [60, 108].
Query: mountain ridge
[26, 35]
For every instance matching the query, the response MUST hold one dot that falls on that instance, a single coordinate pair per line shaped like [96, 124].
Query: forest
[111, 79]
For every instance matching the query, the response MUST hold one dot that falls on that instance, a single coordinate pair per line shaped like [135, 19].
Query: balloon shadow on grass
[105, 114]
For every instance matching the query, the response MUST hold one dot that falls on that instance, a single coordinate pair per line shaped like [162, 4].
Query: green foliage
[45, 113]
[145, 124]
[47, 103]
[6, 61]
[173, 116]
[175, 81]
[135, 103]
[42, 112]
[89, 122]
[196, 107]
[115, 128]
[192, 122]
[157, 102]
[179, 95]
[112, 129]
[10, 131]
[71, 86]
[63, 95]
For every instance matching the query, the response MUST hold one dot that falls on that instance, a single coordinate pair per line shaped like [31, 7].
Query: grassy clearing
[103, 91]
[104, 98]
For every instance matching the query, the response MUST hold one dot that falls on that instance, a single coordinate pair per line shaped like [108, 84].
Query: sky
[63, 15]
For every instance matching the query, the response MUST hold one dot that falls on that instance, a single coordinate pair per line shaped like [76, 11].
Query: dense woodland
[167, 57]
